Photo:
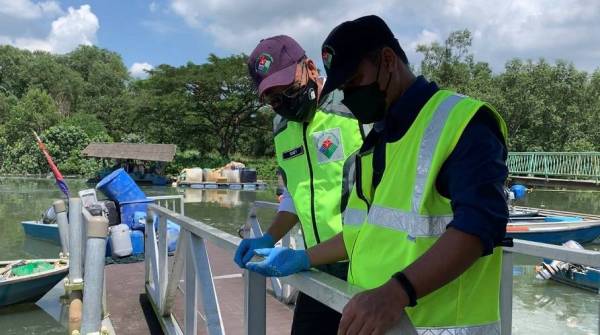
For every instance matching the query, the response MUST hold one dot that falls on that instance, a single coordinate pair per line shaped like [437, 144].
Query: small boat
[28, 280]
[550, 226]
[584, 277]
[41, 231]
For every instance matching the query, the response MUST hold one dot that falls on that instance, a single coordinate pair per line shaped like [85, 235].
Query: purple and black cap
[273, 62]
[347, 45]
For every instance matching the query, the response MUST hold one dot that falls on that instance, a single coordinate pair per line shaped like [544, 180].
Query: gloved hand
[280, 262]
[245, 250]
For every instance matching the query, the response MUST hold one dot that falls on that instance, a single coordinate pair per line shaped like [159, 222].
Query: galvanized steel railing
[191, 255]
[575, 165]
[162, 282]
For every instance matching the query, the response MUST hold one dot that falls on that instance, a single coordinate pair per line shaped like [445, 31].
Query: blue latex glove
[280, 262]
[245, 250]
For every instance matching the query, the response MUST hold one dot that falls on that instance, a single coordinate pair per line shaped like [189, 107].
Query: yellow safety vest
[387, 229]
[317, 164]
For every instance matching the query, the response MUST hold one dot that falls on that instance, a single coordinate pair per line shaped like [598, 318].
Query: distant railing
[175, 202]
[572, 165]
[161, 282]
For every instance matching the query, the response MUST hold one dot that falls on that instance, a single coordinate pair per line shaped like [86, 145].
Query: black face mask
[300, 105]
[367, 102]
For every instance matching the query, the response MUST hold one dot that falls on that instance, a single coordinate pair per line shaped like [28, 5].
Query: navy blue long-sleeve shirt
[472, 177]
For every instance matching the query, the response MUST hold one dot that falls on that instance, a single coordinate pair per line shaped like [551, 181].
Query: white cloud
[138, 70]
[153, 7]
[25, 9]
[501, 30]
[239, 25]
[425, 37]
[77, 26]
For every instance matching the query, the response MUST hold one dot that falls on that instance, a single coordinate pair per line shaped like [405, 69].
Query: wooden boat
[16, 287]
[550, 226]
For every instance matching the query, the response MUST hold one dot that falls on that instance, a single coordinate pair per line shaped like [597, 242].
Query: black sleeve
[473, 179]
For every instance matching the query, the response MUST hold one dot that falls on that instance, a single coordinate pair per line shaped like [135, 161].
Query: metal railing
[576, 165]
[549, 251]
[161, 282]
[173, 202]
[283, 292]
[191, 261]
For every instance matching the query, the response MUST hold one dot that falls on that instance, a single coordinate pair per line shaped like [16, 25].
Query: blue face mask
[367, 102]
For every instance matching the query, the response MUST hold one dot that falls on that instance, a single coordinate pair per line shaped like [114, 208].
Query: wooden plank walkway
[131, 312]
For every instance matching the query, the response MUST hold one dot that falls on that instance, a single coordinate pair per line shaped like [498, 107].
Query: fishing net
[31, 268]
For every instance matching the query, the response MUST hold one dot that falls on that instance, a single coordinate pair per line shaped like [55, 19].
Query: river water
[538, 307]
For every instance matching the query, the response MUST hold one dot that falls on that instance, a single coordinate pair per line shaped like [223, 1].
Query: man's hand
[280, 262]
[245, 250]
[374, 311]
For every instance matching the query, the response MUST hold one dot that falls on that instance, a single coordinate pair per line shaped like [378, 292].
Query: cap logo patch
[263, 63]
[327, 54]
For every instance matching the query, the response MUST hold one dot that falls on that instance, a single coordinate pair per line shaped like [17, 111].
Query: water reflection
[539, 307]
[223, 198]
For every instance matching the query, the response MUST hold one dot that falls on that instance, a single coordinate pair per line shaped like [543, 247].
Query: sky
[149, 33]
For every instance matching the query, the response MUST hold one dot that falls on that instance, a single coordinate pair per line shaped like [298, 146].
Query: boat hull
[40, 231]
[582, 235]
[29, 288]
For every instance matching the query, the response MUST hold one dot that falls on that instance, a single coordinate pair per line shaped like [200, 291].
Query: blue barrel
[118, 186]
[172, 235]
[137, 242]
[128, 212]
[519, 191]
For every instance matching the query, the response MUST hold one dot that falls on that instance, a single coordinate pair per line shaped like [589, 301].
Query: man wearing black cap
[427, 214]
[316, 140]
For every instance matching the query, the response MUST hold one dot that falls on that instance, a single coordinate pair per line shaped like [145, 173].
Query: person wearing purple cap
[316, 141]
[427, 217]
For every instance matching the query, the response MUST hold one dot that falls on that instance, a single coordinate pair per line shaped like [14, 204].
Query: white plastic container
[193, 175]
[233, 176]
[120, 240]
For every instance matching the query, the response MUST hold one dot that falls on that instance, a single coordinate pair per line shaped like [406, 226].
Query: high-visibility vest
[317, 163]
[389, 227]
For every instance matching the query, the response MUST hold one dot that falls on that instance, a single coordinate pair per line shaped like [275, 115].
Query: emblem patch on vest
[293, 153]
[329, 145]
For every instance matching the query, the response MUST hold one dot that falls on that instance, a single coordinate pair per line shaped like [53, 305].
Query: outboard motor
[49, 216]
[546, 271]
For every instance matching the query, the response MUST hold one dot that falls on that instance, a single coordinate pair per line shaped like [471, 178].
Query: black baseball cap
[347, 45]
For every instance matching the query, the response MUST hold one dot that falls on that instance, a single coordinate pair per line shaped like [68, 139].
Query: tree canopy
[211, 112]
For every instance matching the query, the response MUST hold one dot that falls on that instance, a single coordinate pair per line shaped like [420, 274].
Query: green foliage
[35, 111]
[90, 124]
[211, 112]
[547, 107]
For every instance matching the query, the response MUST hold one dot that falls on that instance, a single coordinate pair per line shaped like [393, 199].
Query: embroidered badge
[327, 54]
[263, 63]
[329, 145]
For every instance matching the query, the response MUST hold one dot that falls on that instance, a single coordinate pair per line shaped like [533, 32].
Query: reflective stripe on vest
[428, 144]
[491, 329]
[414, 224]
[354, 217]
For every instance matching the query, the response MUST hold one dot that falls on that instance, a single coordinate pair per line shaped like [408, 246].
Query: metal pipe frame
[325, 288]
